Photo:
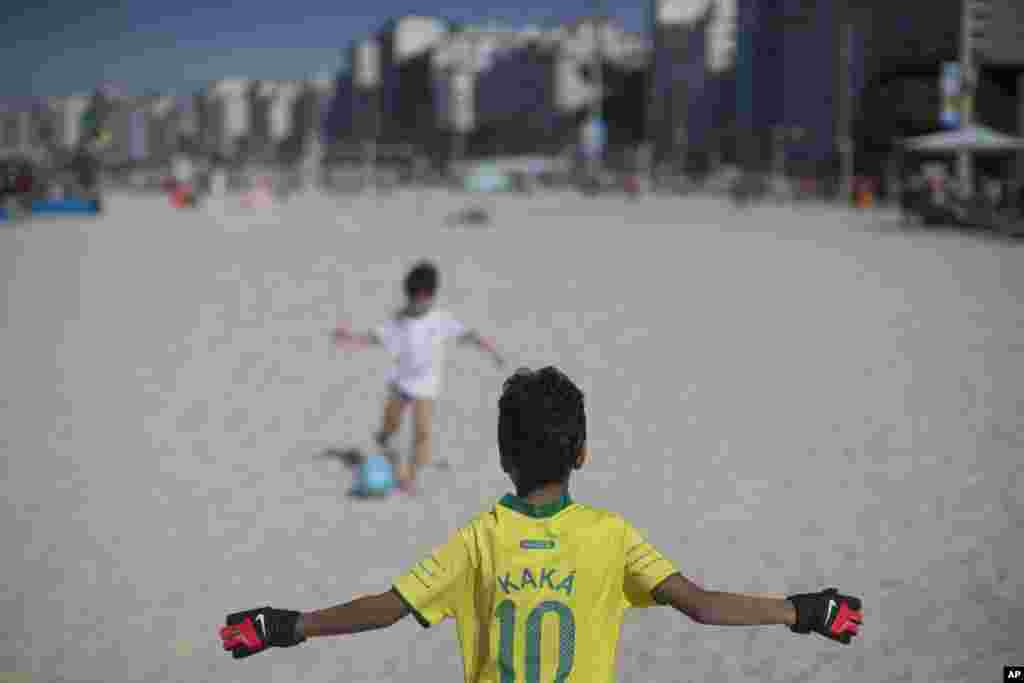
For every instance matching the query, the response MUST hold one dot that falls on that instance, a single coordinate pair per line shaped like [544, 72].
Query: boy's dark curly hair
[542, 425]
[423, 279]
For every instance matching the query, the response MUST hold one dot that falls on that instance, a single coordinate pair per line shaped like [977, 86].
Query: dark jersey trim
[654, 591]
[419, 617]
[535, 511]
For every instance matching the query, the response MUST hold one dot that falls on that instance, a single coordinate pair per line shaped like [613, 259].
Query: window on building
[801, 14]
[9, 132]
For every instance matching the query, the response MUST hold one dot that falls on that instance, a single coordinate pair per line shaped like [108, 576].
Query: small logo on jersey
[531, 544]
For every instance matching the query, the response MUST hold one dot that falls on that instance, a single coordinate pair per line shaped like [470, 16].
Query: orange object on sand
[182, 197]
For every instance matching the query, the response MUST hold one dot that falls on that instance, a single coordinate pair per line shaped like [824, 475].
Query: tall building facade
[536, 88]
[227, 117]
[339, 123]
[678, 104]
[166, 122]
[440, 88]
[29, 126]
[516, 98]
[808, 70]
[122, 122]
[406, 83]
[70, 111]
[754, 81]
[904, 60]
[15, 124]
[310, 109]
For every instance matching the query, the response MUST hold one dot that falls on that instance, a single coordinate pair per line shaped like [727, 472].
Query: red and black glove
[834, 616]
[255, 630]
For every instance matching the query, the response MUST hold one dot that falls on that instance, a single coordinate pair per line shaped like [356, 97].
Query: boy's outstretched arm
[345, 337]
[484, 344]
[827, 612]
[255, 630]
[362, 614]
[715, 608]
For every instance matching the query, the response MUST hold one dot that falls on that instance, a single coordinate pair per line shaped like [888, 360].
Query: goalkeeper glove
[254, 630]
[834, 616]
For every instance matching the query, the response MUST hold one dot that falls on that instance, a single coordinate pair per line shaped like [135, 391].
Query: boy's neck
[416, 310]
[549, 493]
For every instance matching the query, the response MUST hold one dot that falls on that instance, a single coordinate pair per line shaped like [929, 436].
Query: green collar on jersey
[536, 511]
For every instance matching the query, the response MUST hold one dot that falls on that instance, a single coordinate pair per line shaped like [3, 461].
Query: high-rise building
[805, 69]
[227, 122]
[126, 122]
[164, 125]
[14, 114]
[516, 103]
[261, 102]
[406, 84]
[69, 114]
[526, 90]
[756, 81]
[282, 123]
[313, 106]
[339, 111]
[27, 127]
[587, 43]
[896, 60]
[677, 78]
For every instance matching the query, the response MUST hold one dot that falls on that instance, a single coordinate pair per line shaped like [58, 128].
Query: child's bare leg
[390, 424]
[423, 424]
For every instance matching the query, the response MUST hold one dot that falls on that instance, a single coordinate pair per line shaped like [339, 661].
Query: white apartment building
[463, 62]
[366, 63]
[721, 38]
[322, 90]
[280, 98]
[229, 113]
[411, 36]
[69, 118]
[458, 62]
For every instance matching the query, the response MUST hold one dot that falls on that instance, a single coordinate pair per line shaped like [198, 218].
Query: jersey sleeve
[387, 333]
[452, 327]
[433, 586]
[645, 568]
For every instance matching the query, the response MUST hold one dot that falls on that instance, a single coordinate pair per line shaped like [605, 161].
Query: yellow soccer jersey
[537, 592]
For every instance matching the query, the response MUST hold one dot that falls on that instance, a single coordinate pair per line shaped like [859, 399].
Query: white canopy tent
[969, 139]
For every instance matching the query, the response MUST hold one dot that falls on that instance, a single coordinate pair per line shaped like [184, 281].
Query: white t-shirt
[417, 345]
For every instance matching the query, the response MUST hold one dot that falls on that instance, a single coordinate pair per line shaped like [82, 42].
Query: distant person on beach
[538, 584]
[415, 337]
[84, 165]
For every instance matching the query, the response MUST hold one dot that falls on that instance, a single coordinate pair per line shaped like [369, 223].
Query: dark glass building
[804, 68]
[799, 64]
[904, 55]
[516, 103]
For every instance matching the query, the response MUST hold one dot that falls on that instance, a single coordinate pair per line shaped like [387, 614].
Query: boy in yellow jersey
[538, 584]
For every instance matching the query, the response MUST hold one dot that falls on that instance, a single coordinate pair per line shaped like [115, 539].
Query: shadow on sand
[899, 227]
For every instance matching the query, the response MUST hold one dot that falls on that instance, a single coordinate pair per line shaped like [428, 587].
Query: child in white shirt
[415, 338]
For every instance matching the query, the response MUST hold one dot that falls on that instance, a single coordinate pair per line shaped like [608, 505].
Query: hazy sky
[68, 46]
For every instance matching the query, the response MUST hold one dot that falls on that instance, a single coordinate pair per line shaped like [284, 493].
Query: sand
[783, 399]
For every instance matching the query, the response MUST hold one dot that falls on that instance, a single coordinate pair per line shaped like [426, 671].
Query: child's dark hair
[422, 280]
[541, 427]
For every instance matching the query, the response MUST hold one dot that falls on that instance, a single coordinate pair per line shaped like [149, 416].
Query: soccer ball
[375, 477]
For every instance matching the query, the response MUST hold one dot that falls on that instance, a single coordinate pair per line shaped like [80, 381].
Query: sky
[65, 47]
